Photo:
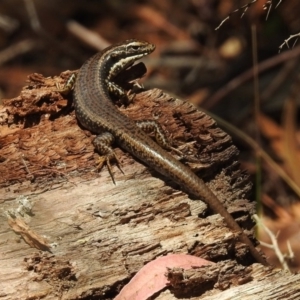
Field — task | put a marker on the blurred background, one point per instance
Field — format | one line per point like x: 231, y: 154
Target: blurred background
x: 245, y: 72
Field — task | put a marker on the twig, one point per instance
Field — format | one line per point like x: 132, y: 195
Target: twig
x: 286, y: 42
x: 37, y: 27
x: 33, y: 18
x: 278, y: 3
x: 24, y: 163
x: 89, y: 37
x: 246, y: 138
x: 274, y: 245
x: 8, y: 24
x: 247, y: 75
x: 244, y: 8
x: 17, y: 49
x: 267, y: 6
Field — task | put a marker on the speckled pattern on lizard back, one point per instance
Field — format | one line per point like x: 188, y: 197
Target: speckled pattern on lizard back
x: 97, y: 113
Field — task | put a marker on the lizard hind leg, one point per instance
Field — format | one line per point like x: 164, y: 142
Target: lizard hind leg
x: 152, y: 126
x: 102, y: 144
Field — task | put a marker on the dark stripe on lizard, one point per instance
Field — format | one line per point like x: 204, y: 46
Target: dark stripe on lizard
x: 96, y: 112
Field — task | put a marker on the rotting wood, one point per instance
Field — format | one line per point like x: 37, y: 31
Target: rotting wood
x: 104, y: 233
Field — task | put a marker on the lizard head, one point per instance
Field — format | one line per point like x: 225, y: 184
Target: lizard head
x: 126, y: 53
x: 134, y: 49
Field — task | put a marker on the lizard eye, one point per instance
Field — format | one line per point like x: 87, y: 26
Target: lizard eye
x: 135, y: 47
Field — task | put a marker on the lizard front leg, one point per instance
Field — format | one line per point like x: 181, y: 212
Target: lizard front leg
x: 102, y: 144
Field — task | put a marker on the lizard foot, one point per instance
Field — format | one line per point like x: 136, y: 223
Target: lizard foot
x: 106, y: 160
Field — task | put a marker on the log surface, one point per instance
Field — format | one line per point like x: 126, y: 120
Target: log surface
x: 68, y: 232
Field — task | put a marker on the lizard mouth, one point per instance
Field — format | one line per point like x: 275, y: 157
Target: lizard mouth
x: 130, y: 65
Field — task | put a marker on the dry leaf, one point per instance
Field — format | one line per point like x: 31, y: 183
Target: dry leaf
x: 151, y: 278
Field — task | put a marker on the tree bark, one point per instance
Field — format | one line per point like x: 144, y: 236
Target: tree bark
x: 67, y: 232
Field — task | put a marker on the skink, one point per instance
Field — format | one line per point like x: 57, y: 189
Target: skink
x: 97, y: 113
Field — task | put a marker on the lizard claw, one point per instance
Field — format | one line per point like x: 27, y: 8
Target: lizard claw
x: 106, y: 159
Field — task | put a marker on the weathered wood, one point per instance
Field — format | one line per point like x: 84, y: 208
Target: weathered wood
x: 266, y: 284
x: 99, y: 234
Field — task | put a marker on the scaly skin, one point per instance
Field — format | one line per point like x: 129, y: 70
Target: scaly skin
x: 96, y: 112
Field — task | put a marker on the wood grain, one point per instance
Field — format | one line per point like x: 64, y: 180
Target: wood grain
x: 101, y: 234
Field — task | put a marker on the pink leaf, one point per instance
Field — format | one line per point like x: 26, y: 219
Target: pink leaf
x: 151, y: 278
